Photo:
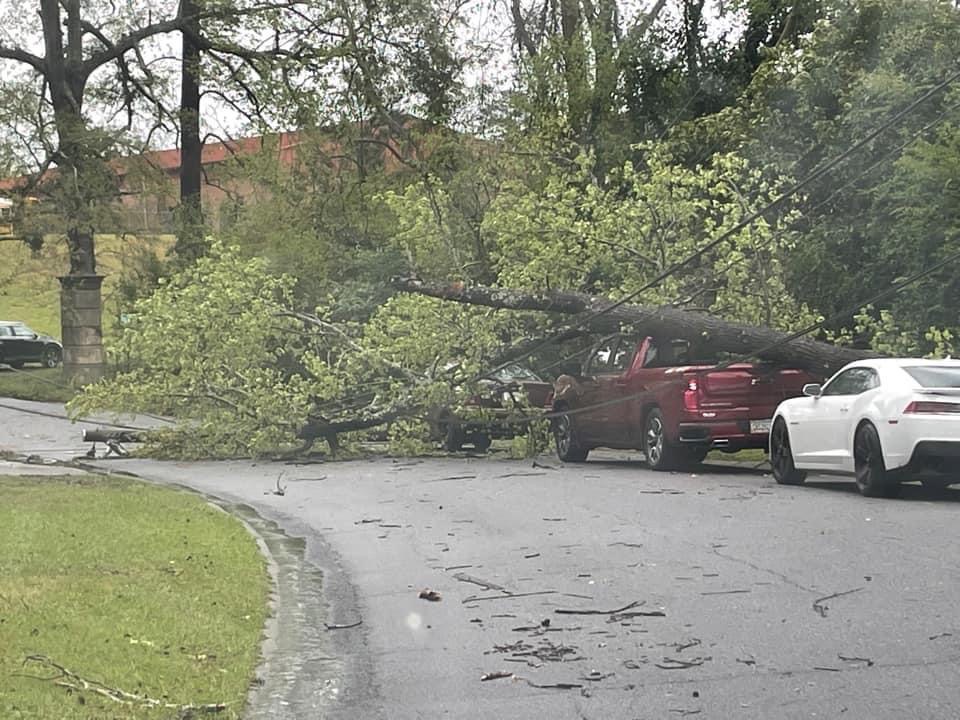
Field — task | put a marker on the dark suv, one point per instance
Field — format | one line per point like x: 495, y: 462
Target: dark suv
x: 19, y: 344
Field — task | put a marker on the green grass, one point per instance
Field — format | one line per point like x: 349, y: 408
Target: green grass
x: 44, y: 384
x: 751, y: 456
x: 145, y: 589
x: 30, y: 291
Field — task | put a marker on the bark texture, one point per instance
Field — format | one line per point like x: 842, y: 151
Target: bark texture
x: 663, y: 322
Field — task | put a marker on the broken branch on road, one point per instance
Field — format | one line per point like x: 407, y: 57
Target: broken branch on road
x: 618, y: 611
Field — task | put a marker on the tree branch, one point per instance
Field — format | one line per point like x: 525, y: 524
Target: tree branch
x: 23, y: 56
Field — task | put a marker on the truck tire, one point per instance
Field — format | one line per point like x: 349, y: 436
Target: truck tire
x: 481, y: 442
x: 660, y: 452
x: 568, y: 444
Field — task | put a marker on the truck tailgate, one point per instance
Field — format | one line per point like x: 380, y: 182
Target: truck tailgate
x: 748, y: 386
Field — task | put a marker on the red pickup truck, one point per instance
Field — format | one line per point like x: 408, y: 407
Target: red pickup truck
x: 667, y: 399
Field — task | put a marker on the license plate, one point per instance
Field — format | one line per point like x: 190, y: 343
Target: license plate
x: 759, y: 426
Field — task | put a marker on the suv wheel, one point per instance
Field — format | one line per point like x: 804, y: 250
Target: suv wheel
x: 781, y: 456
x: 568, y: 444
x: 873, y: 478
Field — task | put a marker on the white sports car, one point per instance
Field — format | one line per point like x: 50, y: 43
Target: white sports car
x: 885, y: 421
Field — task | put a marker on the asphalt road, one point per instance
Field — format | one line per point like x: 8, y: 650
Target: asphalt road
x: 777, y: 602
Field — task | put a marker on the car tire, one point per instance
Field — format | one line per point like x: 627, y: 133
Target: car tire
x: 451, y: 433
x: 481, y: 442
x: 661, y: 454
x: 873, y: 478
x: 691, y: 457
x: 565, y: 436
x: 52, y: 357
x: 781, y: 456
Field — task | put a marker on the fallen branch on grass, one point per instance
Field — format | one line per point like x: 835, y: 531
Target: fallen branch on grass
x: 71, y: 680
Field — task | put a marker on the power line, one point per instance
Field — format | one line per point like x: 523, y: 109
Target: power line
x: 753, y: 217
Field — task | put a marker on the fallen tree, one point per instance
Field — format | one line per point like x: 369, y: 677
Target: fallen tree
x: 602, y: 315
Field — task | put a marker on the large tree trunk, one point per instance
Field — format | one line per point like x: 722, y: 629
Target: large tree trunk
x: 190, y: 243
x: 665, y: 322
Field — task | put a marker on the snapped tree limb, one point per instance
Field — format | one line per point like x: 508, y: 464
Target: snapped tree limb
x: 665, y: 322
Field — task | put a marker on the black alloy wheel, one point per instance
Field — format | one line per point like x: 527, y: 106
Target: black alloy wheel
x: 781, y: 456
x: 873, y: 478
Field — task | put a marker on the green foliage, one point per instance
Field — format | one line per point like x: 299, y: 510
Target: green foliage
x: 886, y: 335
x: 208, y: 346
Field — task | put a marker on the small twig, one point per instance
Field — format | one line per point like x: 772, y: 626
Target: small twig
x: 678, y: 664
x: 71, y: 680
x: 821, y: 609
x: 486, y: 585
x: 724, y: 592
x: 599, y: 612
x: 475, y: 598
x: 281, y: 490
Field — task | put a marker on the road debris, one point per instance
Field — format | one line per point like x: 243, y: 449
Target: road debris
x: 867, y: 661
x: 726, y: 592
x: 940, y: 635
x: 368, y: 521
x: 626, y: 544
x: 596, y: 676
x: 346, y: 626
x: 452, y: 477
x: 618, y: 611
x: 678, y: 664
x: 279, y: 490
x: 821, y: 608
x: 431, y: 595
x: 531, y: 555
x: 555, y: 519
x: 498, y: 675
x: 478, y: 598
x: 518, y: 474
x: 542, y: 466
x: 485, y: 584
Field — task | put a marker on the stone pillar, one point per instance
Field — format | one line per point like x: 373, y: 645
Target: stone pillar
x: 84, y: 360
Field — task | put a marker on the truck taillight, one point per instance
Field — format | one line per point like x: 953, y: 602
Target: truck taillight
x: 691, y: 396
x: 927, y: 406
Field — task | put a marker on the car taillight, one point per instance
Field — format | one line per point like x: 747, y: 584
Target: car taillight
x: 929, y: 406
x: 691, y: 396
x: 549, y: 401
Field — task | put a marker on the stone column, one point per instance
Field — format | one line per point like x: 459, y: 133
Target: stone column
x: 84, y: 360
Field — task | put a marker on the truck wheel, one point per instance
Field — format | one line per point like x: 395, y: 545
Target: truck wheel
x: 873, y: 478
x: 661, y: 454
x: 693, y: 456
x: 781, y: 456
x: 568, y: 444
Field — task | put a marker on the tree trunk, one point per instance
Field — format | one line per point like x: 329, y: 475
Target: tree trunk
x: 665, y: 322
x: 190, y: 241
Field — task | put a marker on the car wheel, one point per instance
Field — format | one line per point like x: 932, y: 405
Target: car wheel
x: 452, y: 433
x: 781, y: 456
x: 873, y: 478
x: 51, y: 357
x: 481, y: 442
x: 568, y: 444
x: 661, y: 454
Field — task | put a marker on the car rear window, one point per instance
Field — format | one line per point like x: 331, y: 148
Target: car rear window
x: 932, y: 376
